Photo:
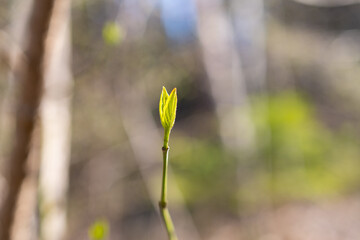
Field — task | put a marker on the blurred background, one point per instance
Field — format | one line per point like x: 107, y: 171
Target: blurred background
x: 266, y: 140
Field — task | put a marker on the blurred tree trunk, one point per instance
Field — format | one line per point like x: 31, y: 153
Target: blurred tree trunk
x: 248, y: 19
x: 235, y: 63
x: 25, y: 219
x: 27, y: 72
x: 249, y: 26
x: 25, y: 225
x: 224, y: 70
x: 55, y: 122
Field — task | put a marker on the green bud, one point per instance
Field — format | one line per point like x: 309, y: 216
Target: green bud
x: 167, y: 108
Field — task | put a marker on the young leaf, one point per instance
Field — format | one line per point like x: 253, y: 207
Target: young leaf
x: 170, y: 109
x: 163, y: 98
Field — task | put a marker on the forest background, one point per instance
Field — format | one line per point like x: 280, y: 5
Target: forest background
x: 267, y: 134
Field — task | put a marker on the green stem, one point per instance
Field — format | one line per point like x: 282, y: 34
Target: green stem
x: 163, y: 200
x: 166, y: 139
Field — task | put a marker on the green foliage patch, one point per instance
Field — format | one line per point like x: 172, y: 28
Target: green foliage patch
x: 299, y: 158
x: 99, y: 230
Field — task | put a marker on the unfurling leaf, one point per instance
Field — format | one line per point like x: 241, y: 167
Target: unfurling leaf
x: 167, y: 108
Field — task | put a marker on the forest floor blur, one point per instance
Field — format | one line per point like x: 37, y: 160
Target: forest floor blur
x: 333, y: 220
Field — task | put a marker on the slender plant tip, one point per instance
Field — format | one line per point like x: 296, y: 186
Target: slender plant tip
x: 167, y: 110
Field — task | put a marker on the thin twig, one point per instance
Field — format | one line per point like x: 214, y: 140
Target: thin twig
x: 163, y: 201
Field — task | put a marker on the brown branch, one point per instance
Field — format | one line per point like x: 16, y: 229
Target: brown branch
x: 28, y: 74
